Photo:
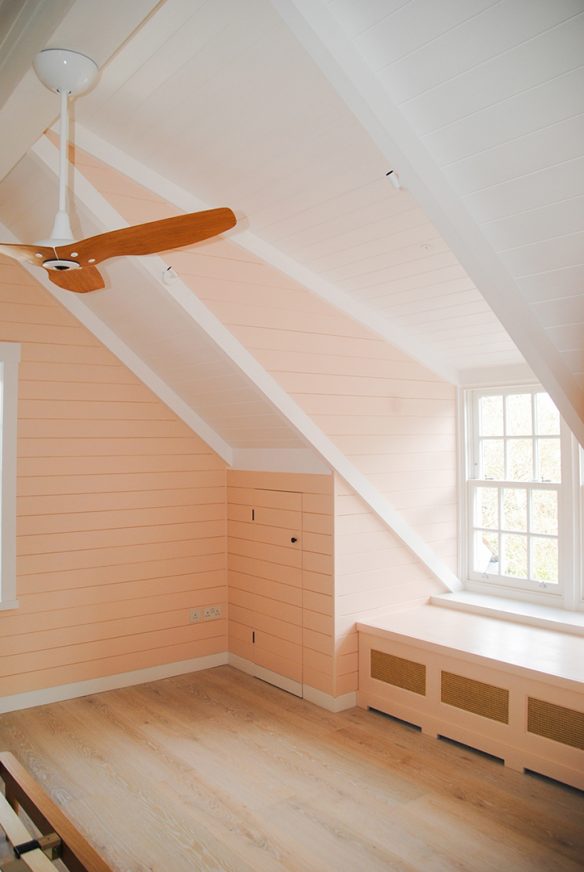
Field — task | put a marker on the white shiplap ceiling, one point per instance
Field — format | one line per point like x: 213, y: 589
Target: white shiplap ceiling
x: 146, y: 319
x: 481, y: 103
x: 292, y: 112
x: 495, y: 90
x: 222, y: 100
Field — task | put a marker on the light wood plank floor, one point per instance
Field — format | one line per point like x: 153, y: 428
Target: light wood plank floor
x: 218, y: 771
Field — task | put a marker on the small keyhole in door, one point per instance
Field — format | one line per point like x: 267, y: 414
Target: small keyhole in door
x: 294, y: 539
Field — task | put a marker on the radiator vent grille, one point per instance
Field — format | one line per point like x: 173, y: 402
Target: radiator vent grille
x: 477, y: 697
x: 555, y: 722
x: 399, y: 672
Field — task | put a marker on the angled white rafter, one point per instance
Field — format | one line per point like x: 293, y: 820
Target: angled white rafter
x: 129, y: 358
x: 321, y: 35
x: 269, y: 387
x: 398, y: 336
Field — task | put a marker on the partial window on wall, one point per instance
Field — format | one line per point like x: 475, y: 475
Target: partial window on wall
x: 9, y: 359
x: 521, y: 498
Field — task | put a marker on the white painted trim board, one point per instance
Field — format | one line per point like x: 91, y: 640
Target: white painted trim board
x: 33, y: 698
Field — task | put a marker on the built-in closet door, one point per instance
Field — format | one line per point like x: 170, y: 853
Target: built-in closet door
x: 265, y: 584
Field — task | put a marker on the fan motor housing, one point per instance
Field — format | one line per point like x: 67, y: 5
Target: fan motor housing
x: 61, y: 265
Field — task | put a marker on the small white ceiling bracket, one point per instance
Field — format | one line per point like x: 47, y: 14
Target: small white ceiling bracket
x: 168, y: 275
x: 394, y: 179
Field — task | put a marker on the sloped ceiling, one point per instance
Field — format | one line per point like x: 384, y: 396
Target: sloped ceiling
x: 480, y: 104
x: 145, y: 319
x: 292, y: 112
x: 265, y: 131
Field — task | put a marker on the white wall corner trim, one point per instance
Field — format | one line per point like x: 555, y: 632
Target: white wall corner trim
x: 266, y: 383
x: 348, y: 70
x: 310, y: 694
x: 279, y: 460
x: 494, y: 376
x: 109, y: 682
x: 328, y: 702
x: 264, y: 674
x: 9, y: 361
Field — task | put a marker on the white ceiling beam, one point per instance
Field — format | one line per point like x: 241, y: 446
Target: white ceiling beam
x: 320, y: 33
x: 182, y: 294
x: 74, y: 303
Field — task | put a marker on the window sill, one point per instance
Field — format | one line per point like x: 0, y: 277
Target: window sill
x: 9, y: 604
x: 513, y: 610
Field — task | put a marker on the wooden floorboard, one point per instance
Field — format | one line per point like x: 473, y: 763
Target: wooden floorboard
x: 219, y: 771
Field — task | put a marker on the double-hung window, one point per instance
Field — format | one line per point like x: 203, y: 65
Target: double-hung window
x: 519, y: 490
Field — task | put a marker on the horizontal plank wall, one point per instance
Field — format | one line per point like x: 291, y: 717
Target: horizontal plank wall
x: 121, y: 521
x: 392, y: 417
x: 374, y: 572
x: 292, y: 598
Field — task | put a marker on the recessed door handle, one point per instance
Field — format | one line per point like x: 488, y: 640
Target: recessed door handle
x: 294, y: 539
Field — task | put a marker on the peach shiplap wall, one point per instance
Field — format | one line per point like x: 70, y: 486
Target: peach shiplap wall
x: 120, y: 512
x: 392, y: 417
x: 285, y: 593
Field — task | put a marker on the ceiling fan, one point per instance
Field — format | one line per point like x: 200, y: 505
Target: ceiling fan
x: 72, y: 264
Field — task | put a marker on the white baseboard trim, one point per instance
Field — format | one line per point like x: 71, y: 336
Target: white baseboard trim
x: 311, y: 694
x: 109, y: 682
x: 328, y: 702
x: 274, y: 678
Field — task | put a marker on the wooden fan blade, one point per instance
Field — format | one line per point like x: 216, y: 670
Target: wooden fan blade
x: 152, y: 237
x: 27, y: 253
x: 81, y: 281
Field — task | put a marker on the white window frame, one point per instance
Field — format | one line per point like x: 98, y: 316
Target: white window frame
x: 9, y: 360
x: 569, y: 593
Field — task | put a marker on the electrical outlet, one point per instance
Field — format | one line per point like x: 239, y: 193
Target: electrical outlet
x: 211, y: 613
x: 194, y: 616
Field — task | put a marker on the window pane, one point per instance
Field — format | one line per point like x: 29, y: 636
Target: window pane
x: 547, y: 417
x: 486, y: 553
x: 492, y: 459
x: 520, y: 459
x: 514, y: 555
x: 518, y: 415
x: 491, y: 416
x: 544, y: 512
x: 544, y: 560
x: 549, y: 460
x: 487, y: 508
x: 515, y: 510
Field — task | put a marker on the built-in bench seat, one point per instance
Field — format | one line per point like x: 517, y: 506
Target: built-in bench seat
x: 512, y: 690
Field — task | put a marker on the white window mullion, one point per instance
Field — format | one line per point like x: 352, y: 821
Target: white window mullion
x: 528, y: 490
